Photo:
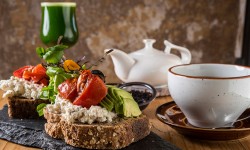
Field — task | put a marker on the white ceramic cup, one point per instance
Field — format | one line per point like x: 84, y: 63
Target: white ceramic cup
x: 210, y: 95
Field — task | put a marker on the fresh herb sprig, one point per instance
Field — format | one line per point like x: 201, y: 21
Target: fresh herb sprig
x: 53, y: 56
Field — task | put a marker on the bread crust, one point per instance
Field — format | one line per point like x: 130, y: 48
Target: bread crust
x: 116, y: 135
x: 24, y: 108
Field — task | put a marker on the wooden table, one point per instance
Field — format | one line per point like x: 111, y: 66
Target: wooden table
x: 165, y: 132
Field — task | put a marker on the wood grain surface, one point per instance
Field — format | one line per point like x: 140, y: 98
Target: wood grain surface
x: 164, y: 131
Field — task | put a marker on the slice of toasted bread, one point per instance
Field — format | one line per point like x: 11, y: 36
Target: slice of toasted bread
x: 118, y: 134
x: 23, y: 108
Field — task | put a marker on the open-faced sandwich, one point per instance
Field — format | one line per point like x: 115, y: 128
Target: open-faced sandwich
x: 23, y: 91
x: 28, y: 87
x: 89, y: 114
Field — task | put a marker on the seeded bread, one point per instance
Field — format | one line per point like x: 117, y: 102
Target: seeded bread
x: 23, y: 108
x: 118, y: 134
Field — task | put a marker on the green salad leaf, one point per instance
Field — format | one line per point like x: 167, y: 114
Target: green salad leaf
x: 51, y: 54
x: 39, y: 109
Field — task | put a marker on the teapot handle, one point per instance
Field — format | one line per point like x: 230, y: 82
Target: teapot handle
x: 185, y: 53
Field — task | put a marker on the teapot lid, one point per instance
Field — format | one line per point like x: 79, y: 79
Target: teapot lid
x: 151, y: 52
x: 148, y: 49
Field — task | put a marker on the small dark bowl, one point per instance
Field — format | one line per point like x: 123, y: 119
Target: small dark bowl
x: 143, y: 93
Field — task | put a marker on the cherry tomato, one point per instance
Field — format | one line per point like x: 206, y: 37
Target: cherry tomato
x: 44, y: 81
x: 68, y: 89
x: 19, y: 72
x: 27, y: 75
x: 39, y: 69
x: 94, y: 91
x: 36, y: 74
x: 86, y: 90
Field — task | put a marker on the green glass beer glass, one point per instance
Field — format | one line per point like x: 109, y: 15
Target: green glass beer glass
x: 58, y: 19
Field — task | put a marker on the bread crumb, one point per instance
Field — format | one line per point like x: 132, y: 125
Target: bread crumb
x: 90, y: 132
x: 99, y: 128
x: 85, y: 142
x: 92, y: 141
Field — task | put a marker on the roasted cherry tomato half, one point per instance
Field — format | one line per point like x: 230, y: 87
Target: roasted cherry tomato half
x: 94, y: 91
x: 68, y: 89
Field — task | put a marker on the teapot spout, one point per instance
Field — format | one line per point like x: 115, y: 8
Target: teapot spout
x: 122, y: 63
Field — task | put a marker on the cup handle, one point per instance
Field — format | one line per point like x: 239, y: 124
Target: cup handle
x: 185, y: 53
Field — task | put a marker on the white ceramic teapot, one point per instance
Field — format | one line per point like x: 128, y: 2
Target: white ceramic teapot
x: 148, y: 64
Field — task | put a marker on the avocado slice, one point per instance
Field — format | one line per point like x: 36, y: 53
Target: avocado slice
x: 107, y: 104
x: 123, y: 102
x: 104, y: 104
x: 131, y: 108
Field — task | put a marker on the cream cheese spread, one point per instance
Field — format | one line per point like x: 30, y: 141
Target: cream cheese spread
x: 73, y: 113
x: 20, y: 87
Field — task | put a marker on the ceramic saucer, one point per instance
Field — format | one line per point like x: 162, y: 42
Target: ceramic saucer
x: 170, y: 114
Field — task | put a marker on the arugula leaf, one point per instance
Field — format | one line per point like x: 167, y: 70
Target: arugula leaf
x: 52, y: 54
